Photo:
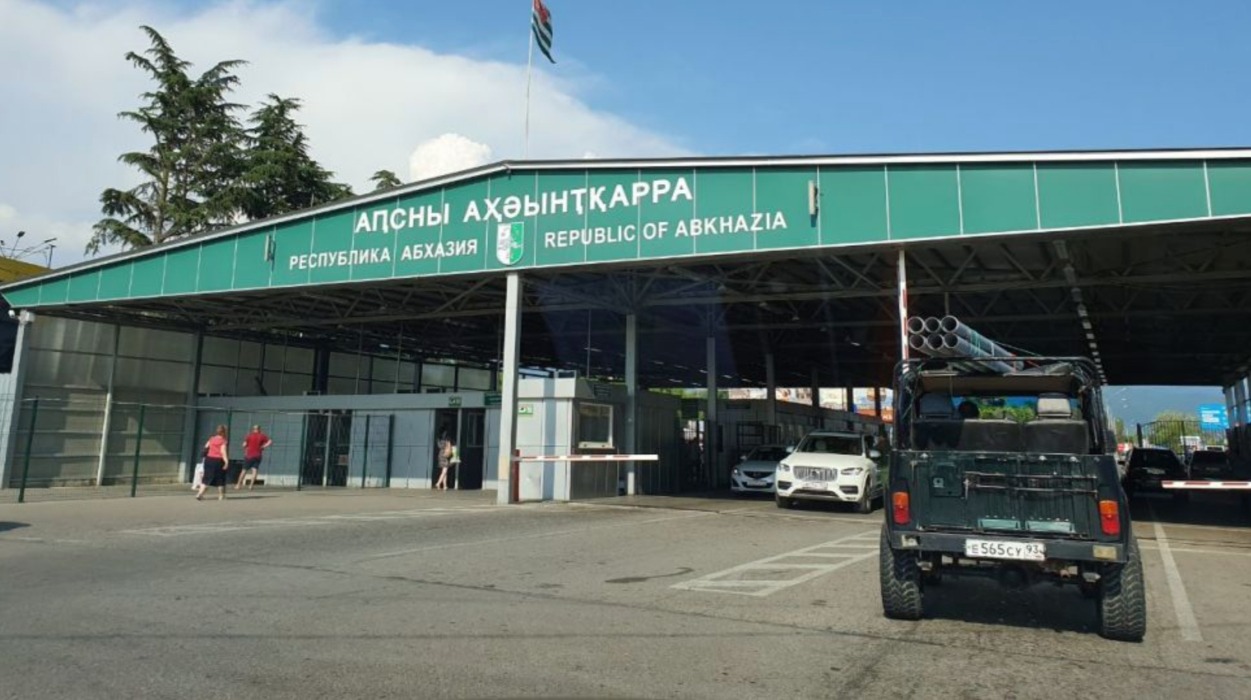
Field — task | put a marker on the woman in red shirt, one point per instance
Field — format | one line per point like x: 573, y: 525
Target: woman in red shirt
x: 216, y: 461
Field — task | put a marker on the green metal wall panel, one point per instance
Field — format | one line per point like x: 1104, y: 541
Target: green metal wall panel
x: 148, y: 279
x: 1077, y: 194
x: 292, y: 245
x: 252, y: 265
x: 614, y: 231
x: 997, y: 198
x: 84, y: 287
x: 924, y: 201
x: 1162, y: 191
x: 785, y: 192
x: 853, y: 205
x: 658, y: 218
x: 559, y: 242
x: 115, y: 281
x: 1230, y: 185
x: 216, y: 266
x: 182, y: 270
x: 588, y: 216
x: 721, y: 194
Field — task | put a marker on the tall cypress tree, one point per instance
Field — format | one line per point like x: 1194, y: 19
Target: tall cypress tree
x: 190, y: 169
x: 279, y: 174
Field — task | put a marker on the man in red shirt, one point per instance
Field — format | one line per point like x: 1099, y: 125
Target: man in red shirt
x: 254, y: 446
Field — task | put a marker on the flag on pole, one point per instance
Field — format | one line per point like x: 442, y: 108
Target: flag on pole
x: 541, y: 25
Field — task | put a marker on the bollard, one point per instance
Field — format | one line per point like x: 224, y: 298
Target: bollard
x: 30, y: 440
x: 134, y: 475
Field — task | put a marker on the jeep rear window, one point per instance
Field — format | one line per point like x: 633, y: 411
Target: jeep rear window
x: 832, y: 445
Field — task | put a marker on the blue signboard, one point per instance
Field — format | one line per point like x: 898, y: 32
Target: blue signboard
x: 1213, y: 416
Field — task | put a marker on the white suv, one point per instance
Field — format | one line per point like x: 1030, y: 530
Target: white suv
x: 831, y: 466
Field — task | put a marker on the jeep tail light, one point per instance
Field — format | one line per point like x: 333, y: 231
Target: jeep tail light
x: 1110, y: 517
x: 901, y: 507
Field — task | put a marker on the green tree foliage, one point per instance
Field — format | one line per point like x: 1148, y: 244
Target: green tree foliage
x: 385, y: 180
x: 279, y: 175
x: 1168, y: 428
x: 195, y: 155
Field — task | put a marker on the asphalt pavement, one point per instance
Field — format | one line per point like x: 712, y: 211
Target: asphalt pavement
x: 394, y: 594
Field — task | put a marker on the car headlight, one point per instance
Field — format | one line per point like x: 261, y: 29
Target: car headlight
x: 852, y: 471
x: 786, y: 468
x: 734, y: 471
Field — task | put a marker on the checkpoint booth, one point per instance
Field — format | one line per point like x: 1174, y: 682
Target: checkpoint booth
x: 582, y: 425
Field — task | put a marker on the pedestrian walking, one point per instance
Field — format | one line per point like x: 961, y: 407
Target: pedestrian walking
x: 447, y: 448
x: 254, y: 446
x: 216, y: 464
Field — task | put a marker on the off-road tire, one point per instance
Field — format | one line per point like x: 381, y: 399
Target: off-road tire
x: 1123, y: 599
x: 900, y: 576
x: 784, y: 502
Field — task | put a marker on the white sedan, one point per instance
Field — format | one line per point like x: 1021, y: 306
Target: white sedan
x: 755, y: 473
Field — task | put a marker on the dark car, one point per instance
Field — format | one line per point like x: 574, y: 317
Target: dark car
x: 1210, y: 464
x: 1026, y: 496
x: 1147, y: 467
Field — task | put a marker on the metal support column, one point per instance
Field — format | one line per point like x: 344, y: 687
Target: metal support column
x: 902, y: 271
x: 816, y: 387
x: 190, y: 455
x: 1240, y: 398
x: 106, y: 422
x: 711, y: 424
x: 506, y: 480
x: 632, y: 391
x: 771, y: 391
x: 877, y: 401
x: 21, y: 360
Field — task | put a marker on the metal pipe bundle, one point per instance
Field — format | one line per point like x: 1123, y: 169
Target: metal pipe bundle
x: 948, y: 337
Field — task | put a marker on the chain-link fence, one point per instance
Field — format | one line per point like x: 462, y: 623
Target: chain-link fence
x: 1180, y: 436
x: 76, y: 448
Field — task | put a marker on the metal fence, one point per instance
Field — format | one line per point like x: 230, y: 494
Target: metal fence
x: 67, y: 448
x: 1180, y: 436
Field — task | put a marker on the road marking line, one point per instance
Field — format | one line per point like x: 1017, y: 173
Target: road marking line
x: 721, y: 581
x: 1181, y: 602
x: 537, y: 535
x: 1198, y: 550
x: 230, y: 526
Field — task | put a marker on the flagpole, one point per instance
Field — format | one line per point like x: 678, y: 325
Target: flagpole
x: 525, y: 153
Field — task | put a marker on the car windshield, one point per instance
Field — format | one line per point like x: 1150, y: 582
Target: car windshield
x: 832, y: 445
x: 1156, y: 459
x: 767, y: 454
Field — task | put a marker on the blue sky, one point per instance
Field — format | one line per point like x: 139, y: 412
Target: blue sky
x: 734, y: 77
x: 381, y: 81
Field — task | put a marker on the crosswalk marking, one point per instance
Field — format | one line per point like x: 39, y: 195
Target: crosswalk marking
x: 742, y: 579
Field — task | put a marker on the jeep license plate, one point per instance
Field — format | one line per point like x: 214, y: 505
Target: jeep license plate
x: 815, y: 486
x: 1002, y: 549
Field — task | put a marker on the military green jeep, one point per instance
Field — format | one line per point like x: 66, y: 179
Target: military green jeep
x: 1008, y: 472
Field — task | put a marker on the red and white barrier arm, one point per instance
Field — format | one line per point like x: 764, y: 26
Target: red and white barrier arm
x: 1208, y: 485
x: 587, y: 458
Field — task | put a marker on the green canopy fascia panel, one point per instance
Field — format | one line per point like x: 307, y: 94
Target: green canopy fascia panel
x: 548, y: 215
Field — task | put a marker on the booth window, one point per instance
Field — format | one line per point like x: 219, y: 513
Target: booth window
x: 595, y: 426
x: 8, y: 345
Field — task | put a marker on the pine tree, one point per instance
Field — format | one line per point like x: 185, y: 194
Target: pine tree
x: 385, y: 180
x: 279, y: 175
x: 191, y: 166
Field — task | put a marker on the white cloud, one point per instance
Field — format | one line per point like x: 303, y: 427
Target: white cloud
x: 366, y: 105
x: 446, y: 154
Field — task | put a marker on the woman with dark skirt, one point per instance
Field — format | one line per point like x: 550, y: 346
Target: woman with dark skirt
x: 216, y: 464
